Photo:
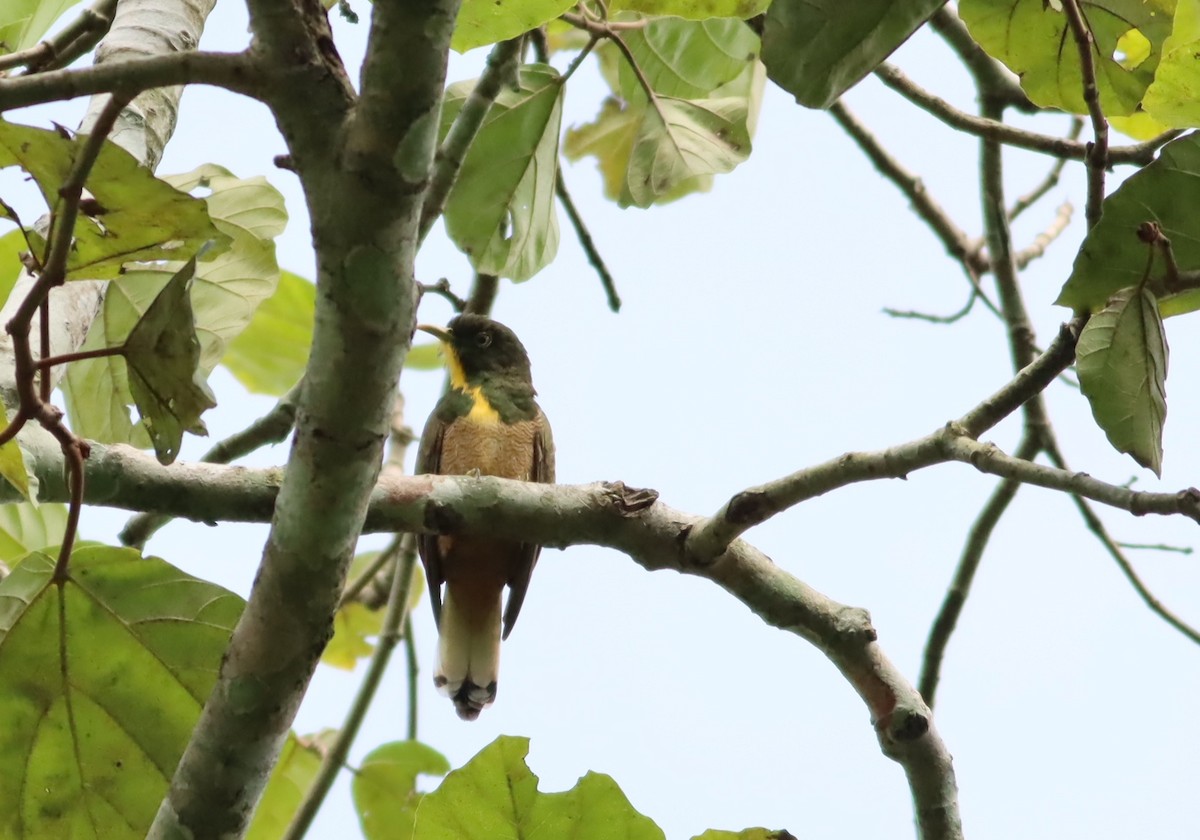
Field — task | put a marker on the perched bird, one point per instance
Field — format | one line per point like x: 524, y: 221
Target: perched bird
x: 487, y: 423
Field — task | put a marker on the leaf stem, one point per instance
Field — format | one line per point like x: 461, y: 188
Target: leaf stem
x: 48, y: 361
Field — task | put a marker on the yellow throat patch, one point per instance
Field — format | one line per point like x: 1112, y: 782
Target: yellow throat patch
x: 482, y: 411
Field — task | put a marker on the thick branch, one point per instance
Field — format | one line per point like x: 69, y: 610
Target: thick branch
x: 364, y: 166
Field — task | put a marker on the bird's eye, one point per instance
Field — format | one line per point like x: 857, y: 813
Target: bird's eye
x: 483, y: 339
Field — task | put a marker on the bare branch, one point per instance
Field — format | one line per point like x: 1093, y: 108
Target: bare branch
x: 1042, y: 241
x: 1051, y: 180
x: 232, y: 71
x: 1138, y: 154
x: 73, y: 40
x: 953, y: 239
x: 992, y: 79
x: 1114, y: 551
x: 585, y: 242
x: 750, y: 507
x: 968, y: 563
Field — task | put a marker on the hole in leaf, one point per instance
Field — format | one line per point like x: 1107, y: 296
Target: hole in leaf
x: 1132, y: 49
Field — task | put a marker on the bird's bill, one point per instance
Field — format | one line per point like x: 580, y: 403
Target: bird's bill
x: 440, y: 333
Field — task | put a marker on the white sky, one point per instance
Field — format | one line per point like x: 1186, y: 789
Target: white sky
x: 751, y: 344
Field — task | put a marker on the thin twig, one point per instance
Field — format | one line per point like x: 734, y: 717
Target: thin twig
x: 1042, y: 241
x: 585, y: 242
x: 1178, y: 549
x: 442, y: 289
x: 72, y: 41
x: 953, y: 239
x: 1051, y: 180
x: 1097, y: 528
x: 389, y: 635
x: 953, y: 317
x: 1097, y: 152
x: 968, y: 563
x: 413, y: 671
x: 1139, y: 154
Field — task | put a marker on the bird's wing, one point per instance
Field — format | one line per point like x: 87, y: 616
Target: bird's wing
x: 429, y: 462
x: 543, y: 472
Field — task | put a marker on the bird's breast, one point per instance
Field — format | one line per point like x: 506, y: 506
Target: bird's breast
x: 489, y: 446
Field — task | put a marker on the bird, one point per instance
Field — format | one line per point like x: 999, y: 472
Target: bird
x: 486, y: 423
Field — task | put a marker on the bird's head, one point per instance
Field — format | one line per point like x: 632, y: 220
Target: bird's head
x: 478, y: 348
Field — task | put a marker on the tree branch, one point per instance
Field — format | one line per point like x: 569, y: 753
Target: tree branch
x: 232, y: 71
x: 1096, y: 526
x: 968, y: 563
x: 364, y: 165
x: 68, y: 44
x: 953, y: 239
x: 1139, y: 154
x: 757, y: 504
x: 273, y: 427
x: 1097, y: 153
x: 992, y: 79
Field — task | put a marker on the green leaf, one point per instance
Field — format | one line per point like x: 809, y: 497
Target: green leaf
x: 225, y: 294
x: 817, y: 50
x: 12, y: 245
x: 1035, y: 41
x: 138, y: 217
x: 354, y: 625
x: 483, y: 22
x: 162, y: 355
x: 104, y: 676
x: 501, y: 210
x: 385, y: 788
x: 269, y: 356
x: 1121, y: 358
x: 610, y: 139
x: 496, y: 795
x: 14, y: 471
x: 693, y: 9
x: 291, y: 778
x: 24, y: 22
x: 1113, y: 258
x: 687, y: 59
x: 622, y: 123
x: 25, y: 528
x: 680, y: 140
x: 424, y: 357
x: 1173, y: 98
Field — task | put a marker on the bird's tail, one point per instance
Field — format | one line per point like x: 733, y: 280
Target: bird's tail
x: 469, y: 648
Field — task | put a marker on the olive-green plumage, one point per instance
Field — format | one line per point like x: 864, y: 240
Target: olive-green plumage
x: 487, y: 423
